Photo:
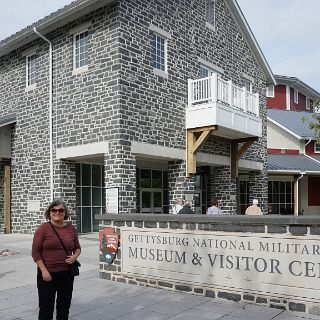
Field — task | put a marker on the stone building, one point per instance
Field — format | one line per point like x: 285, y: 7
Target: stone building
x: 142, y: 101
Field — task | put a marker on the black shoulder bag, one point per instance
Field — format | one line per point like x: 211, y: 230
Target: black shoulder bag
x: 73, y: 268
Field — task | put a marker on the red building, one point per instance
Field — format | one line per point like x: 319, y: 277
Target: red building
x: 293, y: 151
x: 290, y: 93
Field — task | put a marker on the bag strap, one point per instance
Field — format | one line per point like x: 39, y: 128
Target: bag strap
x: 58, y: 237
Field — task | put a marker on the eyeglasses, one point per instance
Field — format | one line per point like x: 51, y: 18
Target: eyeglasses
x: 60, y: 210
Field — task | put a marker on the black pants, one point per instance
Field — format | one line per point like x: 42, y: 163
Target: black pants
x: 62, y: 285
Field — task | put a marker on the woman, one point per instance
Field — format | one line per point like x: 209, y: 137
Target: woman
x: 53, y: 262
x: 214, y: 207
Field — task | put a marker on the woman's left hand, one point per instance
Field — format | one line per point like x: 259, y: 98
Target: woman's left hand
x: 71, y: 259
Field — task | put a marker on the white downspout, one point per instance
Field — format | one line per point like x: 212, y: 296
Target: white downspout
x: 50, y: 111
x: 297, y: 191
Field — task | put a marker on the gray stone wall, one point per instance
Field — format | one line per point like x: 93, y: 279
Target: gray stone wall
x: 179, y: 185
x: 224, y: 189
x: 119, y: 99
x: 236, y: 224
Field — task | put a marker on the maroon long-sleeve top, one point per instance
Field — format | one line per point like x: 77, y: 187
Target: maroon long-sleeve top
x: 47, y: 247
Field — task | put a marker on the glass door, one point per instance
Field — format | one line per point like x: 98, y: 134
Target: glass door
x: 90, y: 195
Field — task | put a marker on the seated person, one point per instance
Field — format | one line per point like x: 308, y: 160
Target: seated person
x: 186, y: 209
x: 178, y: 206
x: 254, y: 209
x: 214, y: 209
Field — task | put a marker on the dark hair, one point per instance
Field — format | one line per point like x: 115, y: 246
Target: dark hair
x: 214, y: 202
x: 54, y: 203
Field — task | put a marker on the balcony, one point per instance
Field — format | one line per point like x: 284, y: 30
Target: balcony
x: 221, y: 111
x: 213, y: 101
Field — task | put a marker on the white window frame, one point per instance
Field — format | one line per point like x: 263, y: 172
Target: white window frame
x: 210, y: 14
x: 316, y: 147
x: 270, y: 91
x: 295, y: 96
x: 248, y: 85
x: 308, y: 103
x: 31, y: 78
x: 166, y: 36
x: 84, y: 67
x: 163, y: 53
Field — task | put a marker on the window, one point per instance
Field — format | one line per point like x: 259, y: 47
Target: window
x: 152, y: 191
x: 159, y: 52
x: 80, y: 50
x: 280, y: 197
x: 90, y: 195
x: 248, y: 85
x: 313, y: 191
x: 316, y: 147
x: 244, y: 195
x: 210, y: 12
x: 206, y: 71
x: 309, y: 103
x: 31, y: 70
x: 270, y: 91
x: 295, y: 96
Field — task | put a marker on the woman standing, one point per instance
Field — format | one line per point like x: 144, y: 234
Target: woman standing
x: 53, y: 263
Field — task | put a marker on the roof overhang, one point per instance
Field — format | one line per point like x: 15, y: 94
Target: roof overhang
x: 251, y: 40
x: 294, y: 172
x: 50, y: 23
x: 298, y: 85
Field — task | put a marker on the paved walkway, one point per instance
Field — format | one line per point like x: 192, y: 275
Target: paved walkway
x: 96, y: 299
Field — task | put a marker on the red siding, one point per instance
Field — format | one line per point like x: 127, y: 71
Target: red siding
x: 279, y: 100
x: 282, y: 151
x: 314, y: 191
x: 310, y: 149
x: 301, y: 105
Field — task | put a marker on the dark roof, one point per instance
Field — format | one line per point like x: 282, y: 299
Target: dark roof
x: 298, y: 163
x: 292, y: 120
x: 298, y: 85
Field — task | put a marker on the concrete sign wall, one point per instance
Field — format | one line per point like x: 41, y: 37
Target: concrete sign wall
x: 279, y: 264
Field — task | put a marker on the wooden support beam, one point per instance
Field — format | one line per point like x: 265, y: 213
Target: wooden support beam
x: 200, y: 141
x: 194, y: 144
x: 243, y: 149
x: 7, y: 200
x: 208, y: 128
x: 191, y: 157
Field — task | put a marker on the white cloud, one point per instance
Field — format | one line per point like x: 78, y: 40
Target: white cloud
x: 287, y: 31
x: 18, y: 14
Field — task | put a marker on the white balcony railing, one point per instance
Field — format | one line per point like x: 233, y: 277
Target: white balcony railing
x: 214, y: 89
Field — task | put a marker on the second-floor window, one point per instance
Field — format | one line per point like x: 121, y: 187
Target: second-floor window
x: 159, y: 52
x: 30, y: 70
x: 295, y: 96
x: 270, y: 91
x: 248, y: 85
x: 309, y: 103
x: 80, y: 50
x: 211, y: 12
x: 316, y: 147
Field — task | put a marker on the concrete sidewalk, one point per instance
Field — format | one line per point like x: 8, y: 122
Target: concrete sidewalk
x: 96, y: 299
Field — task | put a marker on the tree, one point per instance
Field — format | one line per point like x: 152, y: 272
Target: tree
x: 315, y: 125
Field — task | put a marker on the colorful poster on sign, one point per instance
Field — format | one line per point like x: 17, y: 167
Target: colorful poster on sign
x: 109, y: 242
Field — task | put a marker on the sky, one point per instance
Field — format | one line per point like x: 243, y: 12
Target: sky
x: 286, y: 30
